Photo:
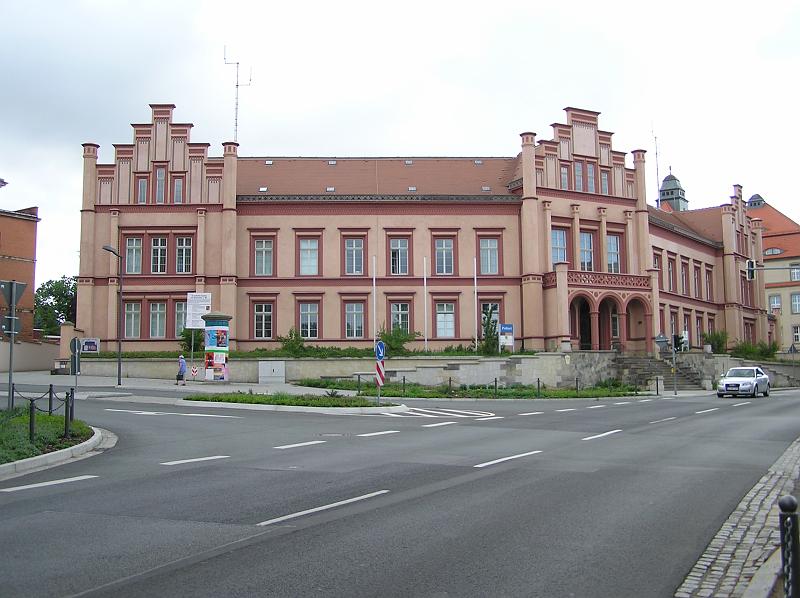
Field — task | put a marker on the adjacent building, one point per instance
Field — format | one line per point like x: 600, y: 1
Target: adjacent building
x: 781, y: 269
x: 18, y: 262
x: 558, y: 241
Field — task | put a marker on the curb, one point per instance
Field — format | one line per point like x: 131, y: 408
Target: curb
x: 323, y: 410
x: 54, y: 458
x: 766, y: 577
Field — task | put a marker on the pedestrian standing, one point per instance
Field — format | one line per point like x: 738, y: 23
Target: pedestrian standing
x: 181, y: 377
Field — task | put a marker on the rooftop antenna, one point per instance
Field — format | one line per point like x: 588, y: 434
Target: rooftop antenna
x: 238, y: 85
x: 658, y: 176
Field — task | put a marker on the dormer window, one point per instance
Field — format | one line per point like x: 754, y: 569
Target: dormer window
x: 268, y: 162
x: 409, y: 162
x: 486, y: 189
x: 773, y: 251
x: 330, y: 189
x: 331, y: 162
x: 478, y: 162
x: 263, y: 189
x: 412, y: 189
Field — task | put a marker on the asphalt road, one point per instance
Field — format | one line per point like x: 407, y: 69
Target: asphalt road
x: 584, y: 498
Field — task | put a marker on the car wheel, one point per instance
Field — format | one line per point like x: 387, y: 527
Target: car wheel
x: 766, y: 391
x: 755, y: 391
x: 720, y: 395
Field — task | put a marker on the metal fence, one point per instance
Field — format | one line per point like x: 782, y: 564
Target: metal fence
x: 54, y: 403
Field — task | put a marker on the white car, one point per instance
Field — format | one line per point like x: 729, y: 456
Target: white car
x: 747, y: 381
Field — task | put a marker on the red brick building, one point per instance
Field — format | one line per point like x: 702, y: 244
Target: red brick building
x: 18, y: 261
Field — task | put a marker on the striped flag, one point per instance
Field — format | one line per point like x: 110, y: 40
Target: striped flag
x: 380, y: 372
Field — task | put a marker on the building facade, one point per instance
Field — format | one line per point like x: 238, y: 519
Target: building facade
x: 558, y: 241
x: 781, y: 270
x: 18, y: 262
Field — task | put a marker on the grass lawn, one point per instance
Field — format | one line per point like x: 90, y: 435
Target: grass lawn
x: 286, y: 399
x: 14, y: 441
x: 394, y: 389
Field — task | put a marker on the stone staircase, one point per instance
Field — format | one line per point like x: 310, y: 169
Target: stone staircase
x: 639, y: 371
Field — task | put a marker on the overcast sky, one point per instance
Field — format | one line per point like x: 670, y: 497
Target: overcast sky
x: 710, y: 79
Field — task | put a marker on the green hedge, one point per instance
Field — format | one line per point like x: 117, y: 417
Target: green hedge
x: 329, y: 400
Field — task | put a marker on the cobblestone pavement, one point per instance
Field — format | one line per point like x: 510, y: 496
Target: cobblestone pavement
x: 748, y: 537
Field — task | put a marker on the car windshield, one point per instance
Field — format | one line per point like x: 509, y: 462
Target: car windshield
x: 740, y: 373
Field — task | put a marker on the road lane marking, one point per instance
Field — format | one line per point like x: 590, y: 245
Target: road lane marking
x: 601, y: 435
x: 50, y: 483
x: 668, y: 398
x: 322, y: 508
x: 706, y: 410
x: 506, y: 459
x: 666, y: 419
x: 136, y: 412
x: 309, y: 443
x: 468, y: 412
x: 486, y: 419
x: 597, y: 406
x: 563, y: 410
x: 740, y: 404
x: 645, y: 400
x: 182, y: 461
x: 439, y: 424
x: 533, y: 413
x: 623, y: 403
x: 421, y: 412
x: 379, y: 433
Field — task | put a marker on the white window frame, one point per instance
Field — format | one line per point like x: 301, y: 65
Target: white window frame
x: 262, y: 320
x: 354, y: 319
x: 445, y: 249
x: 133, y: 255
x: 263, y: 250
x: 490, y: 251
x: 794, y: 272
x: 795, y: 303
x: 309, y: 257
x: 158, y: 255
x: 774, y: 302
x: 354, y: 256
x: 796, y: 334
x: 183, y: 255
x: 158, y: 319
x: 587, y: 252
x: 177, y: 190
x: 604, y: 187
x: 613, y: 244
x: 445, y: 319
x: 133, y: 320
x: 398, y: 256
x: 161, y: 184
x: 180, y: 318
x: 309, y: 320
x: 141, y: 190
x: 401, y: 315
x: 590, y: 186
x: 558, y: 251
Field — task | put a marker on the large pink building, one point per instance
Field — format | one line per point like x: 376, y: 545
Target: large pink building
x: 559, y: 240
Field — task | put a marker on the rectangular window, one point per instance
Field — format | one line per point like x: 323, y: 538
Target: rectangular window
x: 177, y: 191
x: 263, y: 257
x: 133, y: 317
x: 444, y: 256
x: 161, y: 176
x: 587, y: 252
x: 354, y: 320
x: 398, y: 249
x: 180, y: 317
x: 446, y: 320
x: 493, y: 308
x: 158, y: 320
x: 671, y: 275
x: 711, y: 325
x: 774, y: 302
x: 354, y: 256
x: 794, y: 273
x: 614, y: 263
x: 590, y: 178
x: 698, y: 329
x: 133, y: 255
x: 796, y: 303
x: 183, y: 255
x: 309, y: 257
x: 796, y: 334
x: 489, y: 256
x: 309, y: 320
x: 262, y: 320
x: 604, y: 182
x: 614, y: 324
x: 698, y: 290
x: 709, y: 288
x: 686, y: 328
x: 684, y: 279
x: 578, y: 176
x: 565, y: 177
x: 141, y: 190
x: 400, y: 316
x: 657, y: 264
x: 158, y: 255
x: 558, y: 237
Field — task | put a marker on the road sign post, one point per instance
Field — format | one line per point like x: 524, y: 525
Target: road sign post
x: 197, y: 304
x: 11, y: 291
x: 380, y: 368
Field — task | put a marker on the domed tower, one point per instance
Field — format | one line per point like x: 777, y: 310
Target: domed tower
x: 673, y: 194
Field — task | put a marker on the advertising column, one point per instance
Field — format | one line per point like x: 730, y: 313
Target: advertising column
x: 217, y: 333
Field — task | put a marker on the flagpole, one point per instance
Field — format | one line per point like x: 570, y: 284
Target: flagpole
x: 475, y: 296
x: 425, y: 298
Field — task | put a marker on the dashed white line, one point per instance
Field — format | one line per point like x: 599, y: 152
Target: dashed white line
x: 182, y: 461
x: 740, y: 404
x: 486, y: 419
x: 623, y: 403
x: 597, y: 406
x: 50, y: 483
x: 379, y: 433
x: 322, y: 508
x: 309, y: 443
x: 439, y: 424
x: 666, y: 419
x: 506, y: 459
x: 563, y: 410
x: 645, y: 400
x: 533, y: 413
x: 707, y: 410
x: 601, y: 435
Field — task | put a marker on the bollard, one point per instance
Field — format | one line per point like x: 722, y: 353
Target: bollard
x: 13, y: 392
x: 495, y: 388
x: 790, y: 551
x: 358, y: 391
x: 66, y: 414
x: 657, y: 386
x: 450, y: 385
x: 576, y: 384
x: 50, y: 400
x: 71, y: 404
x: 32, y: 417
x: 404, y: 386
x: 538, y: 388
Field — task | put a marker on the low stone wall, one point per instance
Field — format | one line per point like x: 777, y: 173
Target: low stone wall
x: 28, y: 356
x: 712, y: 366
x: 552, y: 369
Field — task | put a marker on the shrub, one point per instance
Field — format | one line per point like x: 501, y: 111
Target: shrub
x: 293, y: 343
x: 490, y: 342
x: 762, y: 350
x: 199, y: 340
x: 718, y: 340
x: 396, y: 339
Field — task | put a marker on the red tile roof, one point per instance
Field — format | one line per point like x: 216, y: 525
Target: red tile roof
x: 774, y: 221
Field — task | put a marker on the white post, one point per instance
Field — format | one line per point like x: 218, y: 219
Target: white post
x: 374, y: 301
x: 425, y: 298
x: 475, y: 297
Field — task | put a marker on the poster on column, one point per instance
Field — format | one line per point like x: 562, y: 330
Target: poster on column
x: 217, y: 337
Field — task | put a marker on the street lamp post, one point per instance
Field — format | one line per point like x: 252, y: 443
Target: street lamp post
x: 119, y: 313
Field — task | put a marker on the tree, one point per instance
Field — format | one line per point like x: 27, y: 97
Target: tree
x: 490, y: 343
x: 54, y: 303
x: 199, y: 340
